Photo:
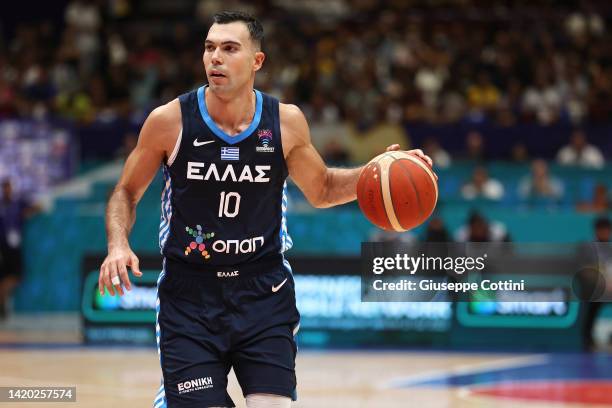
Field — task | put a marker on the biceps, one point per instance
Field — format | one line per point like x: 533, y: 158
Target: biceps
x: 139, y: 170
x: 308, y: 171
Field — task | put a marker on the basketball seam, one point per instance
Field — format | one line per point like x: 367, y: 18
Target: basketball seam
x: 426, y: 168
x: 388, y: 200
x: 382, y: 196
x: 380, y: 157
x: 368, y: 205
x: 416, y: 190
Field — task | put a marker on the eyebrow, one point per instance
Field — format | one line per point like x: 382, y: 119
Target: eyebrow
x: 224, y: 42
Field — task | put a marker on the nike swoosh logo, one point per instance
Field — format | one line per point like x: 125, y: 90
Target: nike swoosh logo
x: 280, y: 285
x: 198, y: 144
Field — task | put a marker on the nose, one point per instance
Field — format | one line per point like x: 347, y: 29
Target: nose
x: 216, y: 57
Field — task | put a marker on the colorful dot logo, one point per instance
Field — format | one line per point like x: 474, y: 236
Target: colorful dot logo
x: 198, y: 243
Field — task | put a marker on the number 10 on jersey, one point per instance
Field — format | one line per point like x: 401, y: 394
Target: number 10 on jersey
x: 227, y: 201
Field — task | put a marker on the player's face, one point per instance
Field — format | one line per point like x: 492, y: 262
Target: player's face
x: 230, y: 57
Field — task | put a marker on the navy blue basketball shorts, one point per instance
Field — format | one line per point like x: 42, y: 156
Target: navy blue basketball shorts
x: 209, y: 322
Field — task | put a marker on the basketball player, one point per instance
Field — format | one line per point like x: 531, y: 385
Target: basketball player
x: 226, y: 294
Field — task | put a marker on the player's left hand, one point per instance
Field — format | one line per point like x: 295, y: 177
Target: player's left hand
x: 416, y: 152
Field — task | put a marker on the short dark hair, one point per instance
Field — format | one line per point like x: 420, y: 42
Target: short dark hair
x: 255, y: 28
x: 476, y: 217
x: 602, y: 222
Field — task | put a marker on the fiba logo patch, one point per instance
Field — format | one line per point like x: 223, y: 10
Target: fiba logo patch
x: 198, y: 384
x: 264, y: 141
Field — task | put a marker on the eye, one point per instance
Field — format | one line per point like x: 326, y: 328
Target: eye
x: 230, y: 48
x: 209, y: 47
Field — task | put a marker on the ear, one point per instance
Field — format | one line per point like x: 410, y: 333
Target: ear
x: 259, y: 59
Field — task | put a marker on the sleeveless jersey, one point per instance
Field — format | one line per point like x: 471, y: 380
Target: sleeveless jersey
x: 224, y: 202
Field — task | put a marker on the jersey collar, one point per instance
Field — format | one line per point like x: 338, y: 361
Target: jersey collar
x: 220, y: 133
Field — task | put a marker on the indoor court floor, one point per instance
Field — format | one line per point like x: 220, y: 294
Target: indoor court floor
x: 115, y: 376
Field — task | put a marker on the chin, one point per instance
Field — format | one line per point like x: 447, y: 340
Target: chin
x: 219, y: 87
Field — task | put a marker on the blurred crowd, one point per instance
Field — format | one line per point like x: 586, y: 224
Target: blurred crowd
x: 362, y: 61
x: 362, y: 71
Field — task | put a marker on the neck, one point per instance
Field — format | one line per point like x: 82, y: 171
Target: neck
x: 231, y: 111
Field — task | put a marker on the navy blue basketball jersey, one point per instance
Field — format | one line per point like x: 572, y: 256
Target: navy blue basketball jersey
x: 224, y: 202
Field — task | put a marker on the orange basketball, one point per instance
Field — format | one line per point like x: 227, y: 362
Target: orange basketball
x: 397, y: 191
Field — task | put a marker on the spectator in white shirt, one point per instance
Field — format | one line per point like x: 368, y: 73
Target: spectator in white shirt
x: 540, y: 184
x: 440, y: 156
x: 482, y: 186
x: 580, y: 153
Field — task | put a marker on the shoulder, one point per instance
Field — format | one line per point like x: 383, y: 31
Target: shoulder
x: 166, y: 116
x: 294, y: 127
x: 291, y: 116
x: 592, y: 149
x: 163, y: 126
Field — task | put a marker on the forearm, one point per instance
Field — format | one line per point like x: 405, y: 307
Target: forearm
x: 340, y: 186
x: 120, y: 217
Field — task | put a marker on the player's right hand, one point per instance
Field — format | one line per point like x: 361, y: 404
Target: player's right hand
x: 115, y: 265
